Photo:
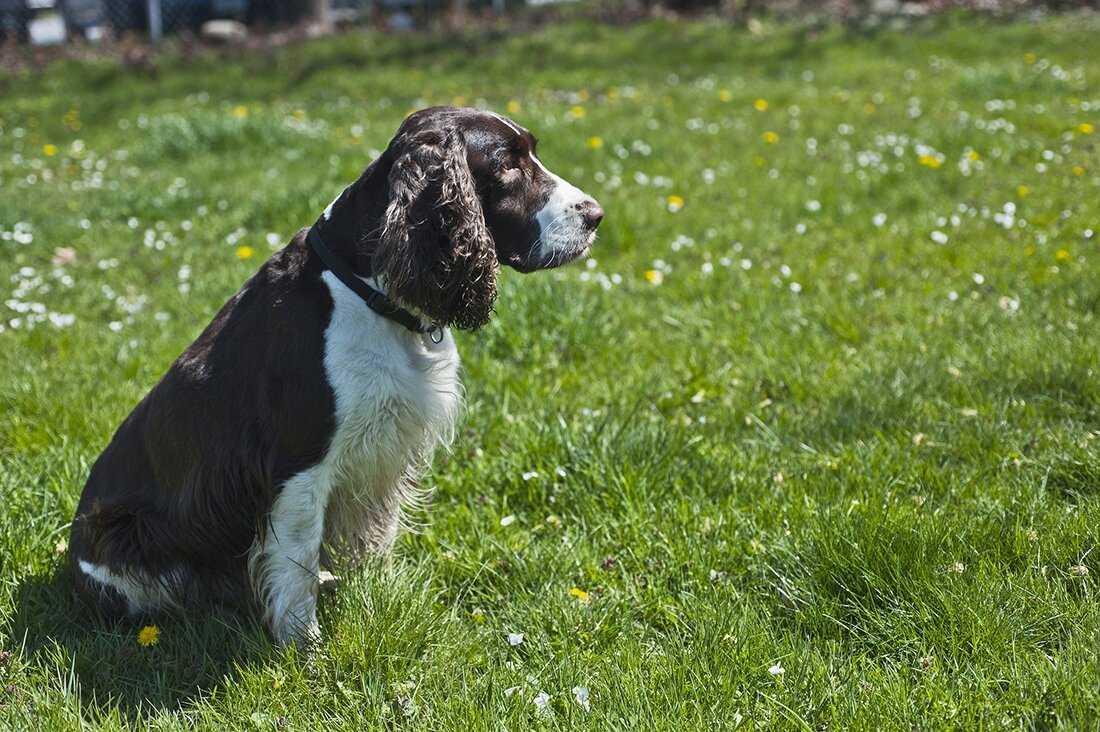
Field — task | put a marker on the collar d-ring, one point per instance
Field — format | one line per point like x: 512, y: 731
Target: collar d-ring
x: 435, y: 332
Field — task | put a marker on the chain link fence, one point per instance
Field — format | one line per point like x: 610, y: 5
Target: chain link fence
x: 51, y: 22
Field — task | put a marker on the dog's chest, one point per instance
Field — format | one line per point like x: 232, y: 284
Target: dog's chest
x: 396, y: 396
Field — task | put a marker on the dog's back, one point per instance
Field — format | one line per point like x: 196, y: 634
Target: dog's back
x: 168, y: 511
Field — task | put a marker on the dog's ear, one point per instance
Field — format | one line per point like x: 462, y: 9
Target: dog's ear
x: 435, y: 252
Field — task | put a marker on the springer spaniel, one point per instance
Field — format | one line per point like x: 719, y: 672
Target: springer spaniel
x: 305, y: 412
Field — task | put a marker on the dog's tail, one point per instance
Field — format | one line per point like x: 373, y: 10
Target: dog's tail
x: 118, y: 559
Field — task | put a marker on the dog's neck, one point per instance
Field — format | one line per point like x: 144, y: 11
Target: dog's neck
x: 352, y: 223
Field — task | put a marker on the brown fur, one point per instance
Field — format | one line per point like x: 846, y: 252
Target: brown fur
x: 435, y: 251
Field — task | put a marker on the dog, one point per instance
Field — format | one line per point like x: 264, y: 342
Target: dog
x: 301, y: 419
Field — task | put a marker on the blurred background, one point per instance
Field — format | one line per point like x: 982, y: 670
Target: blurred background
x: 46, y: 23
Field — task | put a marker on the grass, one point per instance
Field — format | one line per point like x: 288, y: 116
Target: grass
x: 829, y: 407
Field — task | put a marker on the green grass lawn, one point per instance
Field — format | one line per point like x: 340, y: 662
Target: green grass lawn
x: 811, y: 441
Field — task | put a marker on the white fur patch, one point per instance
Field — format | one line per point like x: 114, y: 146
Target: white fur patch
x: 509, y: 123
x: 397, y: 396
x: 327, y: 213
x: 142, y: 593
x: 562, y: 231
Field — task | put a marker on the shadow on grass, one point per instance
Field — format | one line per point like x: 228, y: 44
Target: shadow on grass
x: 191, y: 659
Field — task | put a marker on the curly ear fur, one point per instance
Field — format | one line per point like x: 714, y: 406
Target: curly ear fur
x: 435, y: 252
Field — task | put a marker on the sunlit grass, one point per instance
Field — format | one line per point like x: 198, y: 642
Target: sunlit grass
x: 812, y: 440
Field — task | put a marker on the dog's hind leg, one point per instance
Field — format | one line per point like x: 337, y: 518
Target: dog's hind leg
x: 284, y: 562
x: 110, y: 550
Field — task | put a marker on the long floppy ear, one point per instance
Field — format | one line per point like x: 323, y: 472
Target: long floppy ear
x: 435, y: 252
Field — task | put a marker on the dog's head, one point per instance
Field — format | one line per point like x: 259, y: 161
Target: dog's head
x: 467, y: 193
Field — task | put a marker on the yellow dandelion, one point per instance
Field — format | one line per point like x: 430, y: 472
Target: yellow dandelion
x: 595, y: 143
x: 760, y: 105
x: 514, y: 106
x: 148, y: 636
x: 299, y: 114
x: 771, y: 137
x: 1086, y: 128
x: 1078, y: 170
x: 725, y: 95
x: 72, y: 119
x: 578, y: 593
x: 675, y: 203
x: 1030, y: 58
x: 654, y: 276
x: 49, y: 150
x: 1062, y: 255
x: 929, y: 161
x: 240, y: 111
x: 759, y: 161
x: 973, y: 155
x: 245, y: 252
x: 1022, y: 191
x: 577, y: 112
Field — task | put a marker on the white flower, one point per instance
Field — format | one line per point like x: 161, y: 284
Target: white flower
x: 542, y: 702
x: 777, y: 670
x: 580, y: 693
x: 879, y: 219
x: 514, y: 639
x: 530, y: 474
x: 508, y: 520
x: 939, y: 237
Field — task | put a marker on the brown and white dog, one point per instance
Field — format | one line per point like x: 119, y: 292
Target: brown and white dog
x: 305, y: 412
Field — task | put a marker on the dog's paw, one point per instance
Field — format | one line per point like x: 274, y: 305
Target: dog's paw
x: 292, y: 630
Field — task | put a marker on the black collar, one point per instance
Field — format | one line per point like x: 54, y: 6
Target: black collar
x: 375, y: 300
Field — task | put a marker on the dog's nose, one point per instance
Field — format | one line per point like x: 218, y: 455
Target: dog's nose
x: 591, y: 213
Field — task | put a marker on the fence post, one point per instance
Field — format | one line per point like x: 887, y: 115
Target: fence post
x: 156, y: 27
x: 321, y: 15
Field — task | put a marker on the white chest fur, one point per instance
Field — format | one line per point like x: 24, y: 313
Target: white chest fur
x: 397, y: 396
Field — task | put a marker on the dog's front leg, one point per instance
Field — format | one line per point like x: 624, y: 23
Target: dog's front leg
x: 284, y: 563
